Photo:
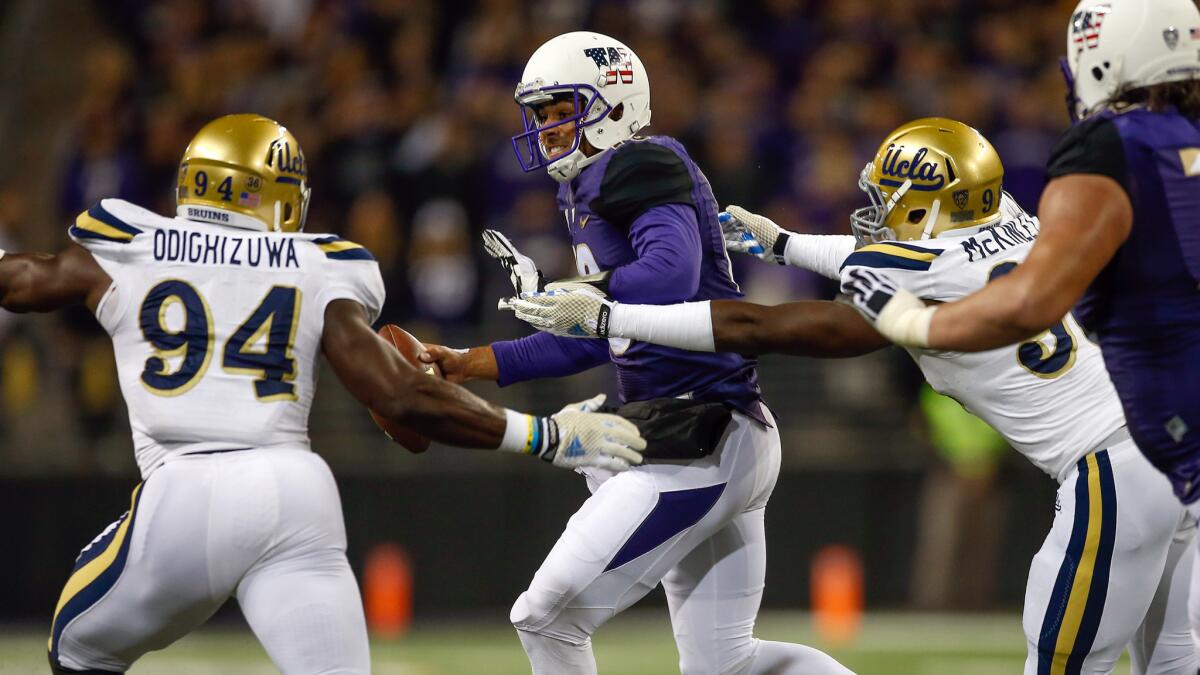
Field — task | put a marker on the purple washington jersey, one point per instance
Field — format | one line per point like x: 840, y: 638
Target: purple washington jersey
x: 645, y: 211
x: 1145, y: 305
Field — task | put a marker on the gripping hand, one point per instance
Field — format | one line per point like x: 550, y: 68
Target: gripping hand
x: 522, y: 271
x: 746, y: 232
x: 570, y: 310
x: 590, y: 439
x: 896, y: 313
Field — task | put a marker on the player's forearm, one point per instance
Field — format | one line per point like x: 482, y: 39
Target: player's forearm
x: 450, y: 414
x: 987, y: 320
x: 40, y: 282
x: 443, y: 412
x: 812, y: 328
x: 22, y: 275
x: 479, y: 363
x: 544, y: 355
x: 18, y: 277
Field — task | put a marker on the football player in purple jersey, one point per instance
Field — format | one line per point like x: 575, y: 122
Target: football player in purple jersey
x: 643, y: 221
x: 1120, y: 239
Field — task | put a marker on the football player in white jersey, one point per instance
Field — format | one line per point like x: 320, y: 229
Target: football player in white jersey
x: 217, y: 317
x: 1114, y: 569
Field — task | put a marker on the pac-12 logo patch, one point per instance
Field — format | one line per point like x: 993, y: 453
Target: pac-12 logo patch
x: 614, y: 62
x: 1085, y: 26
x: 960, y: 198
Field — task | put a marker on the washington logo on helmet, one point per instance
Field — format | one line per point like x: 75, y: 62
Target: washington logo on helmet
x: 1085, y: 26
x: 614, y: 63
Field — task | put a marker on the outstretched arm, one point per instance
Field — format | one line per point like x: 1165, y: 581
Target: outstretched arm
x: 40, y: 282
x: 382, y: 380
x: 821, y: 329
x: 813, y: 328
x: 1085, y: 219
x: 379, y: 377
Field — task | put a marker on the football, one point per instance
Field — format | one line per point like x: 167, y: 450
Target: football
x: 410, y: 348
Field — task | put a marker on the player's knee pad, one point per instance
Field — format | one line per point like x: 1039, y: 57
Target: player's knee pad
x: 531, y: 611
x: 542, y: 613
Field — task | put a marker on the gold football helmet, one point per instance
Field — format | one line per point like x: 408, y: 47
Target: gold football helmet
x: 929, y: 176
x: 244, y: 171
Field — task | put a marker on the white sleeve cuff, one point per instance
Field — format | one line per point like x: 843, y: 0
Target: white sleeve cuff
x: 684, y: 326
x: 821, y: 253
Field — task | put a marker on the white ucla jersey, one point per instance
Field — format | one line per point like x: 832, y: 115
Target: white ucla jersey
x: 217, y: 330
x: 1050, y: 396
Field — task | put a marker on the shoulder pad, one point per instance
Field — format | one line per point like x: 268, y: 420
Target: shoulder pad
x: 336, y: 248
x: 1092, y: 146
x: 640, y: 176
x: 893, y: 255
x: 361, y: 282
x: 98, y: 223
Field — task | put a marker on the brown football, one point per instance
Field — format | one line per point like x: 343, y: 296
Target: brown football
x: 410, y: 348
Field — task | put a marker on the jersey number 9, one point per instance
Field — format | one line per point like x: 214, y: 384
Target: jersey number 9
x: 273, y: 322
x: 1034, y: 355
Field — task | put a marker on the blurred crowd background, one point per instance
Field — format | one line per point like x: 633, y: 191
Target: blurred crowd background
x: 404, y: 109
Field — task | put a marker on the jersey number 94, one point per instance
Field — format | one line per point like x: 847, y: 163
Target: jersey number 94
x: 273, y: 322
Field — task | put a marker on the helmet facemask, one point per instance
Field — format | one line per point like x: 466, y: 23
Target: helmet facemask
x: 868, y: 223
x: 590, y: 108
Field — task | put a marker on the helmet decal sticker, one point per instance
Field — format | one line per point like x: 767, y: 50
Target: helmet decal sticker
x: 1085, y: 26
x: 614, y: 63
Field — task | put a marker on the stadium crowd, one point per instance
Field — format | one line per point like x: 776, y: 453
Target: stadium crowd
x: 404, y: 109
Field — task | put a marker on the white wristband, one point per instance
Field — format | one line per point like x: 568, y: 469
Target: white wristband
x: 684, y: 326
x: 906, y: 320
x: 821, y: 253
x: 526, y: 434
x: 518, y: 432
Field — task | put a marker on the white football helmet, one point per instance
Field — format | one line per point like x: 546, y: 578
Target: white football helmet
x: 1114, y: 45
x: 599, y: 74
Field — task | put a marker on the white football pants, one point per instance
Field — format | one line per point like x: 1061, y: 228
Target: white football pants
x: 264, y: 524
x: 1114, y: 571
x: 696, y: 527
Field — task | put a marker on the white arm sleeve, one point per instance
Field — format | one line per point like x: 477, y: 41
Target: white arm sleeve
x: 684, y: 326
x: 820, y: 253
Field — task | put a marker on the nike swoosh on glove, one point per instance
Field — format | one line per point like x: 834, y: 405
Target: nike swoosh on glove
x: 590, y: 439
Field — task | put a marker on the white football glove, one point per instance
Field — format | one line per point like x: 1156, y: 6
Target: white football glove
x: 522, y: 271
x: 896, y: 313
x: 590, y: 439
x: 750, y: 233
x: 570, y: 310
